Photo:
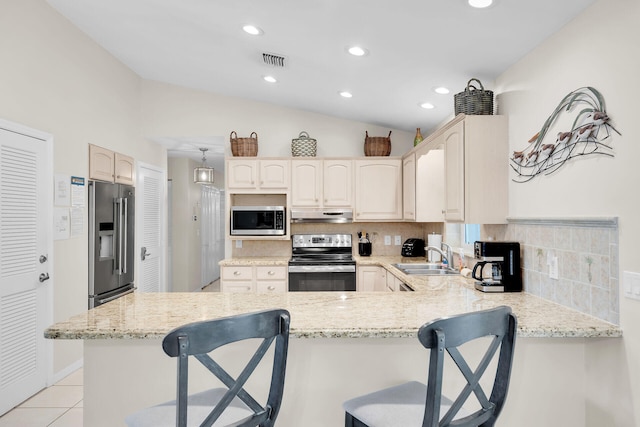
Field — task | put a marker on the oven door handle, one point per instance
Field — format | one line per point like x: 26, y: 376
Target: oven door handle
x: 322, y: 268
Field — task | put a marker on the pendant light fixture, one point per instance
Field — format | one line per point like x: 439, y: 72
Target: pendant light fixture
x: 203, y: 174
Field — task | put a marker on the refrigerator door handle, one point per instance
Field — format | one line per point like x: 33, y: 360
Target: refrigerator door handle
x: 118, y: 219
x: 126, y: 237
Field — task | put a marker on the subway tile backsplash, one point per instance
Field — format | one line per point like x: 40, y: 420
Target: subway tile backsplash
x: 587, y: 252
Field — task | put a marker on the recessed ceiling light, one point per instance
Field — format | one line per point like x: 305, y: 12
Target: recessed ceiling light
x: 357, y: 51
x: 441, y: 90
x: 479, y: 4
x: 270, y: 79
x: 253, y: 30
x: 427, y: 106
x: 346, y: 94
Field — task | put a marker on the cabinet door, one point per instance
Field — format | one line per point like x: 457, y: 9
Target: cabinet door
x: 409, y: 187
x: 239, y: 287
x: 124, y: 169
x: 274, y: 174
x: 378, y: 189
x: 430, y: 186
x: 338, y: 183
x: 453, y: 141
x: 372, y: 278
x: 101, y: 163
x: 306, y: 183
x: 242, y: 174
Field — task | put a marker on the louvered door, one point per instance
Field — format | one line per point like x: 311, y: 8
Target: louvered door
x: 151, y: 226
x: 25, y: 233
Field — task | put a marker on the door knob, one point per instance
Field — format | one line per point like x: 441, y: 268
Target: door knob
x: 43, y: 259
x: 43, y: 277
x: 143, y: 253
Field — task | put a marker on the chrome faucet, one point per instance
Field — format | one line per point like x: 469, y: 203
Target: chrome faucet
x: 448, y: 255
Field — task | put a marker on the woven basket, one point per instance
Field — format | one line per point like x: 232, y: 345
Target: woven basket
x: 303, y: 146
x: 244, y: 147
x: 474, y: 101
x: 377, y: 145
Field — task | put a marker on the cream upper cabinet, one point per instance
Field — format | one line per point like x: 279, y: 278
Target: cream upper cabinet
x: 101, y: 163
x: 476, y: 169
x: 106, y: 165
x: 124, y: 169
x: 429, y: 185
x: 378, y: 184
x: 454, y: 171
x: 254, y: 174
x: 337, y: 183
x: 321, y: 183
x: 306, y: 183
x: 409, y: 187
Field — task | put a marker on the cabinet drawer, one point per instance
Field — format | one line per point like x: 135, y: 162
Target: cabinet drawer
x: 237, y: 273
x: 271, y: 273
x: 237, y: 287
x: 271, y: 287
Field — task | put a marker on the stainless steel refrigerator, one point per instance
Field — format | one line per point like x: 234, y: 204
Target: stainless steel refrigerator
x: 111, y: 241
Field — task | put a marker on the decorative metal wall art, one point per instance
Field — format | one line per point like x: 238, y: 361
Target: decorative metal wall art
x: 591, y: 128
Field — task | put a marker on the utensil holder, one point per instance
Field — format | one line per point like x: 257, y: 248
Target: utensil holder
x: 364, y: 248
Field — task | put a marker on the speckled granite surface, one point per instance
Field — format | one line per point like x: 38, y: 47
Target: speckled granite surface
x: 330, y: 314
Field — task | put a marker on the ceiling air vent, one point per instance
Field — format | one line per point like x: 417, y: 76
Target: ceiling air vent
x: 273, y: 60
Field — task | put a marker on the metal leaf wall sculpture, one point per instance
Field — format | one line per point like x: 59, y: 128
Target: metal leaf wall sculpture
x: 591, y: 128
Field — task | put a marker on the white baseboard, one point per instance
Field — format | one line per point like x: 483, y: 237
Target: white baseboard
x: 61, y: 374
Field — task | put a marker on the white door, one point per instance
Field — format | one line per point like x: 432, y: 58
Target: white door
x: 150, y: 225
x: 25, y: 262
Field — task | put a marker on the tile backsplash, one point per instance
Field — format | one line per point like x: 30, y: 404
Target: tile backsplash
x: 587, y: 253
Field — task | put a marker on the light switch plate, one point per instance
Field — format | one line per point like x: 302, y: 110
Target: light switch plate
x: 398, y: 240
x: 631, y: 285
x: 387, y: 240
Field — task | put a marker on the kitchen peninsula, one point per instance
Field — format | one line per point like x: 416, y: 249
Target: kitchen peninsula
x: 342, y: 345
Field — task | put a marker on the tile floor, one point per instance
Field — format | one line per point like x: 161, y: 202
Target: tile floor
x: 57, y: 406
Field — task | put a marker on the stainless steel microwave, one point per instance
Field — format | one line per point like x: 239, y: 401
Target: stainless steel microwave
x: 258, y: 221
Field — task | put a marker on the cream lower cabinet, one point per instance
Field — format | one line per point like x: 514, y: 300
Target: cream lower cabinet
x: 371, y: 278
x: 476, y: 167
x: 253, y: 279
x: 378, y: 184
x: 322, y: 183
x: 393, y: 283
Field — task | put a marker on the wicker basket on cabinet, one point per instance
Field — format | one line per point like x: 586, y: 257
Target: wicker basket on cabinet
x: 244, y: 147
x: 377, y: 145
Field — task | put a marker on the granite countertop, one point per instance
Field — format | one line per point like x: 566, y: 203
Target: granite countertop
x: 331, y: 314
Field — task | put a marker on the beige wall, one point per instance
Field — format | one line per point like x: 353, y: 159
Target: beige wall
x: 598, y: 49
x: 172, y: 111
x: 54, y: 79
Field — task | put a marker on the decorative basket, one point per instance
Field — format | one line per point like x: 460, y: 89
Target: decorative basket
x: 244, y: 147
x: 303, y: 146
x: 474, y: 101
x: 377, y: 145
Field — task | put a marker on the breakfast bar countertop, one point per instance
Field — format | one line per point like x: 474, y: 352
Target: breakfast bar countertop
x: 331, y: 314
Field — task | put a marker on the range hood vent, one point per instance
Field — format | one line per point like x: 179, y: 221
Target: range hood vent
x: 336, y: 216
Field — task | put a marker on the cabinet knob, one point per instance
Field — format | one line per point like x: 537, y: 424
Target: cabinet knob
x: 271, y: 288
x: 271, y: 273
x: 236, y: 273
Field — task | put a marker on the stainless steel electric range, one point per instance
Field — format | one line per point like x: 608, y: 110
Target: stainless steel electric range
x: 322, y: 262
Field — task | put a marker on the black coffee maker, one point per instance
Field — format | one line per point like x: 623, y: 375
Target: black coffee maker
x: 497, y: 266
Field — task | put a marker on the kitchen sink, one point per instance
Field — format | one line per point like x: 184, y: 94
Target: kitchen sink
x: 426, y: 269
